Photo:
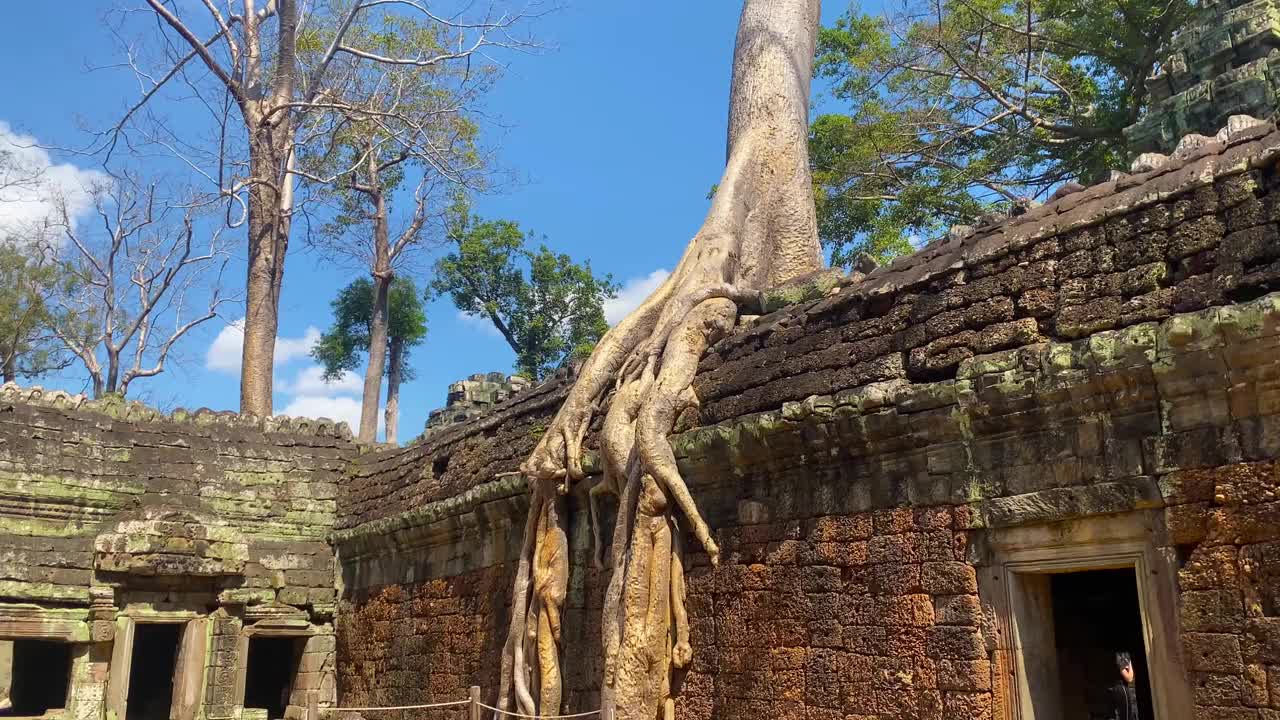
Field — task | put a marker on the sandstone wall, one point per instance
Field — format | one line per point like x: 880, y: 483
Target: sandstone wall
x: 1093, y: 376
x: 112, y: 514
x: 89, y: 492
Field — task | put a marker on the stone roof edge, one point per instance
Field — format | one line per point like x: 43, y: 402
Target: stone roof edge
x: 137, y: 412
x: 1149, y: 343
x: 1245, y: 143
x: 500, y: 488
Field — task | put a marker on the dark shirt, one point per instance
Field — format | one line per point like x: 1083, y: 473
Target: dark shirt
x: 1124, y: 702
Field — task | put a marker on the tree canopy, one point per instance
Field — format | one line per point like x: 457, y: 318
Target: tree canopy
x: 548, y: 308
x: 951, y: 107
x: 342, y: 346
x: 29, y: 278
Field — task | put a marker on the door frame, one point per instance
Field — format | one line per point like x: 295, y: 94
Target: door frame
x: 1015, y: 584
x: 188, y: 669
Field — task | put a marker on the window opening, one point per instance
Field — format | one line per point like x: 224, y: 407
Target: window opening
x: 40, y: 675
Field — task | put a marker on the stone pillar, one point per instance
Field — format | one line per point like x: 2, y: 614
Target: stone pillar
x: 223, y: 666
x: 90, y: 669
x: 6, y: 672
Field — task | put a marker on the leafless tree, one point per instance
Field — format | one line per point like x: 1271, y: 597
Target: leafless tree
x: 395, y: 123
x: 272, y: 74
x: 140, y: 277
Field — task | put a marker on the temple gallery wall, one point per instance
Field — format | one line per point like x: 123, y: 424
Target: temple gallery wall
x: 950, y: 488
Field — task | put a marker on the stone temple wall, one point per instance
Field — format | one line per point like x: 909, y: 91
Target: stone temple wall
x: 898, y: 472
x: 113, y: 517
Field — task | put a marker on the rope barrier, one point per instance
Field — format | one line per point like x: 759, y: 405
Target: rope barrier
x: 538, y: 717
x: 455, y: 703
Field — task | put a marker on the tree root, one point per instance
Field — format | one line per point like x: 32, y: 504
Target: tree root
x: 760, y: 230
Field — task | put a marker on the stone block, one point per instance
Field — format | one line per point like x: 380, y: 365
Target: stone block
x: 966, y: 675
x: 966, y: 705
x: 948, y: 578
x: 1211, y: 610
x: 1215, y: 689
x: 1212, y: 653
x: 957, y: 610
x: 955, y: 643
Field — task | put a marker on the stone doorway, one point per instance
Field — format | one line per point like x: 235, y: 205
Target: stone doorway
x: 270, y: 674
x: 158, y: 666
x: 1096, y: 614
x: 1071, y: 594
x: 152, y: 666
x: 40, y: 675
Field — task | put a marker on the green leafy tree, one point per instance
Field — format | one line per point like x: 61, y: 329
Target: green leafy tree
x: 549, y: 309
x: 350, y: 337
x: 953, y: 107
x: 29, y: 278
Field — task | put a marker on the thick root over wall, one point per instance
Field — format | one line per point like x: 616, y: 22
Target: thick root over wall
x: 760, y: 232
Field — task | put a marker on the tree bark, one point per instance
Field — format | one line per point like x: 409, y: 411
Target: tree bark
x: 271, y: 136
x: 379, y: 317
x: 113, y: 371
x: 377, y: 358
x: 395, y: 370
x: 10, y: 369
x: 268, y: 243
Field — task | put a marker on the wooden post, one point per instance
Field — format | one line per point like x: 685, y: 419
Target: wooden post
x: 475, y: 702
x: 313, y: 705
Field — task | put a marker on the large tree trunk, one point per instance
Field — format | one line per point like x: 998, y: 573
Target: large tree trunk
x: 395, y: 372
x: 112, y: 384
x: 377, y: 359
x: 379, y: 317
x: 271, y: 135
x: 268, y: 242
x: 761, y: 231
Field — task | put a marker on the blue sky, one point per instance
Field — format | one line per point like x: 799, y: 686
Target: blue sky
x: 616, y: 135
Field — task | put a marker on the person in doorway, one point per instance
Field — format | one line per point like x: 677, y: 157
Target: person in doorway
x: 1122, y: 696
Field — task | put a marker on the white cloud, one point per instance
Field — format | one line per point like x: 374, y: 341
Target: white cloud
x: 34, y: 181
x: 335, y: 407
x: 310, y: 381
x: 290, y: 348
x: 224, y: 354
x: 341, y: 409
x: 478, y: 322
x: 633, y: 292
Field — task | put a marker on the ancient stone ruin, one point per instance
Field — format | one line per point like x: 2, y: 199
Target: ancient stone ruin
x: 473, y: 397
x: 939, y: 490
x: 1226, y: 63
x: 947, y: 488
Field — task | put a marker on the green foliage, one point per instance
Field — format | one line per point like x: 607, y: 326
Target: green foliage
x: 955, y: 107
x: 28, y: 280
x: 549, y: 309
x: 340, y: 348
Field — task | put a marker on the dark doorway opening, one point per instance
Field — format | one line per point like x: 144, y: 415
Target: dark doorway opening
x: 41, y: 675
x: 269, y: 674
x: 1095, y: 616
x: 155, y: 656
